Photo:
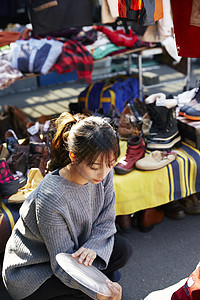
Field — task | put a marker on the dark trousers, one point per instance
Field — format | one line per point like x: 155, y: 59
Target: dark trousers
x: 55, y: 289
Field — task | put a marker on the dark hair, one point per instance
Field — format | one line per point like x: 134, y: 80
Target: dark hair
x: 86, y: 137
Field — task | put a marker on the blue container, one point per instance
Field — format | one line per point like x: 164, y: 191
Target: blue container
x: 56, y: 78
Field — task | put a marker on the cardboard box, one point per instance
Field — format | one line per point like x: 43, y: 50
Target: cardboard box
x: 190, y: 131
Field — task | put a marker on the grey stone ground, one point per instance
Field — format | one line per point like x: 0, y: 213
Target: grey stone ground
x: 171, y: 250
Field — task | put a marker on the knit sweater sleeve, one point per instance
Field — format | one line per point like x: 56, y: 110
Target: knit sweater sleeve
x: 102, y: 237
x: 56, y: 229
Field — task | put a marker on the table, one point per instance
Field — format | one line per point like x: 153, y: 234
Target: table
x: 139, y: 54
x: 139, y: 190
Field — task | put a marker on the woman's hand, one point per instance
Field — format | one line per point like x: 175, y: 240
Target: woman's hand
x: 116, y: 291
x: 86, y: 256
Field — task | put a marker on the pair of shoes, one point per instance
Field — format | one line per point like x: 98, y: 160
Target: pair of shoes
x: 191, y: 204
x: 149, y: 218
x: 174, y: 210
x: 124, y: 223
x: 164, y: 133
x: 135, y: 151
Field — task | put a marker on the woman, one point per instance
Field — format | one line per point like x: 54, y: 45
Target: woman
x: 71, y: 210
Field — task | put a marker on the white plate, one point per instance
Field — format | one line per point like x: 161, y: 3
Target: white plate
x: 88, y: 276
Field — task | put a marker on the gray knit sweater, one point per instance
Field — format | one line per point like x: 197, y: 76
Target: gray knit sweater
x: 53, y: 219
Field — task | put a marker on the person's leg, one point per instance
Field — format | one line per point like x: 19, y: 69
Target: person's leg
x: 121, y: 253
x: 55, y: 289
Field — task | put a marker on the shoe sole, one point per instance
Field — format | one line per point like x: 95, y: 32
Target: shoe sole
x: 194, y: 118
x: 157, y: 146
x: 122, y: 172
x: 163, y: 139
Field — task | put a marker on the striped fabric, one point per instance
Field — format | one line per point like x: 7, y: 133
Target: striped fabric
x: 140, y: 190
x: 9, y: 215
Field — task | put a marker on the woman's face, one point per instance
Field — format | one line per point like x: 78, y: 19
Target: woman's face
x: 99, y: 169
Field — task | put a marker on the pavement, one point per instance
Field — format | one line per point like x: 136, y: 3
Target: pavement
x: 161, y: 257
x: 55, y: 98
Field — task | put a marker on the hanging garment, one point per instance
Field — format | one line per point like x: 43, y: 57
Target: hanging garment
x: 146, y: 11
x: 109, y: 11
x: 49, y: 16
x: 75, y: 57
x: 163, y: 28
x: 187, y: 36
x: 195, y: 17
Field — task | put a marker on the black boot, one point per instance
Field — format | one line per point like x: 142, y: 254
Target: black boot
x: 164, y: 133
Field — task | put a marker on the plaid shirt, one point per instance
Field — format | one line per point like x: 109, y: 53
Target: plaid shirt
x: 75, y: 56
x: 5, y: 172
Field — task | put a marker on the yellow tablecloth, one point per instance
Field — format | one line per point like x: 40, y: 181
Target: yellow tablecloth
x: 145, y: 189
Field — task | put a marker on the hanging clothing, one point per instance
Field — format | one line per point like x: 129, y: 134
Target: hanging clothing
x: 49, y: 16
x: 109, y: 11
x: 163, y: 28
x: 145, y: 11
x: 187, y: 35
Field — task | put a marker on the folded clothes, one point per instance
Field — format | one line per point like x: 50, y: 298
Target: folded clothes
x: 104, y: 50
x: 119, y: 37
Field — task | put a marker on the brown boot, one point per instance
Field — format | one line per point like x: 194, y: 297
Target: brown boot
x: 128, y: 124
x: 191, y: 204
x: 150, y: 217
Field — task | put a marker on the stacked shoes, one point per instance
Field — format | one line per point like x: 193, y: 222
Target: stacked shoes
x: 164, y: 133
x: 191, y: 110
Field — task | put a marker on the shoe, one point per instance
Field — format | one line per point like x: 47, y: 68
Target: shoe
x: 124, y: 223
x: 33, y: 130
x: 184, y: 108
x: 174, y: 210
x: 164, y: 134
x: 155, y: 160
x: 193, y: 112
x: 11, y: 140
x: 190, y: 204
x: 114, y: 276
x: 128, y: 125
x: 164, y: 143
x: 135, y: 150
x: 149, y: 218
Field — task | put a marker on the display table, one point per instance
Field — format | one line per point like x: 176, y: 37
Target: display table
x: 140, y: 190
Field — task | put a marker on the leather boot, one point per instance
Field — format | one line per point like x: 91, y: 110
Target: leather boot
x: 129, y: 125
x: 190, y: 204
x: 135, y: 151
x: 124, y: 223
x: 174, y: 210
x: 150, y: 217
